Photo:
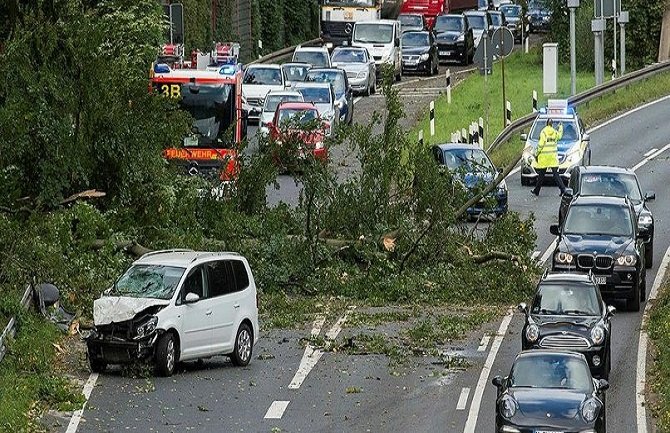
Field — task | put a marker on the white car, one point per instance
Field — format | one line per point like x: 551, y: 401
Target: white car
x: 479, y: 22
x: 383, y: 42
x: 322, y: 95
x: 258, y: 81
x: 272, y: 100
x: 176, y: 305
x: 318, y: 57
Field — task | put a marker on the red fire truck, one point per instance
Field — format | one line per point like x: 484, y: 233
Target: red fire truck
x: 214, y: 99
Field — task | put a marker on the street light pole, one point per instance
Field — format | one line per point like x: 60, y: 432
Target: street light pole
x: 573, y: 5
x: 623, y: 20
x: 598, y: 29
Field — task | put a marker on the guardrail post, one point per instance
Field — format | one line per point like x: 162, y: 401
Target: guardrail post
x: 534, y: 101
x: 508, y: 113
x: 464, y: 135
x: 448, y: 86
x: 457, y: 136
x: 527, y: 37
x: 432, y: 118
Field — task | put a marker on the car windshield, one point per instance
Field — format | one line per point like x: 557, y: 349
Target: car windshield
x: 551, y: 371
x: 607, y: 220
x: 263, y: 76
x: 373, y: 33
x: 349, y: 56
x: 561, y: 299
x: 497, y: 20
x: 295, y: 72
x: 301, y: 117
x: 410, y: 20
x: 317, y: 95
x: 415, y: 39
x: 477, y: 22
x: 148, y: 281
x: 271, y: 101
x: 314, y: 58
x: 511, y: 11
x: 448, y: 24
x: 335, y: 77
x: 570, y: 129
x: 469, y: 160
x: 611, y: 184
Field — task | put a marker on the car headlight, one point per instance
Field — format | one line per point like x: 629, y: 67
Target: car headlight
x: 507, y: 406
x: 147, y: 328
x: 461, y: 38
x: 532, y: 333
x: 645, y: 220
x: 361, y: 74
x: 597, y: 335
x: 423, y: 57
x: 626, y: 260
x: 564, y: 258
x: 590, y: 409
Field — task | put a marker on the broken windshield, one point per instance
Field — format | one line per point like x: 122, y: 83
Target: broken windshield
x: 148, y: 281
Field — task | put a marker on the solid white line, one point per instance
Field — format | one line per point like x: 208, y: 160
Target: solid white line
x: 463, y: 399
x: 650, y: 152
x: 471, y: 423
x: 76, y: 416
x: 634, y: 110
x: 515, y: 171
x: 276, y: 410
x: 535, y: 255
x: 650, y: 157
x: 641, y: 373
x: 357, y: 99
x: 484, y: 343
x: 547, y: 252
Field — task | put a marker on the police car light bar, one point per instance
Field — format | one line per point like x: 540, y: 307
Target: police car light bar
x: 558, y: 106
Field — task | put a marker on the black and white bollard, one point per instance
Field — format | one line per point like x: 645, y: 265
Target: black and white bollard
x: 432, y: 118
x: 464, y: 135
x: 481, y: 132
x: 421, y: 137
x: 448, y: 86
x: 534, y: 101
x: 508, y: 113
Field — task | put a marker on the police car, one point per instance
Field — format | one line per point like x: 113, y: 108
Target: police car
x: 573, y: 147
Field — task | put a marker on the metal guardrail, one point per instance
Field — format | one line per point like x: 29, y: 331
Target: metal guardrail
x: 284, y: 52
x: 584, y: 97
x: 10, y: 329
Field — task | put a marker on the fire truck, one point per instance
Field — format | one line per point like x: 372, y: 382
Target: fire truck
x: 214, y: 100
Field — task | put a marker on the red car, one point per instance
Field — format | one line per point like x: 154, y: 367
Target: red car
x: 287, y: 125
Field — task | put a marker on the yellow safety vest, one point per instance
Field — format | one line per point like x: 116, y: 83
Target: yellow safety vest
x: 547, y: 148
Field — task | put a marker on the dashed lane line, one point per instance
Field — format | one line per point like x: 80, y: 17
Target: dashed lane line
x: 651, y: 157
x: 463, y: 399
x: 276, y: 409
x: 650, y: 152
x: 76, y: 416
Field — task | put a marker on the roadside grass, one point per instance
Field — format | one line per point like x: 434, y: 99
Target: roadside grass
x: 598, y: 110
x: 658, y: 328
x: 523, y: 74
x: 28, y: 383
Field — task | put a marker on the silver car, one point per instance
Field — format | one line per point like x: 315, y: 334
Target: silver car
x: 294, y: 72
x: 322, y: 96
x: 359, y: 66
x: 272, y: 100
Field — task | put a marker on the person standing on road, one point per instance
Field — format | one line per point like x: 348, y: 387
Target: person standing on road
x: 547, y: 156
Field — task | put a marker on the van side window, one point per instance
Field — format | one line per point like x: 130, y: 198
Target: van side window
x: 195, y: 283
x: 241, y: 276
x: 221, y: 280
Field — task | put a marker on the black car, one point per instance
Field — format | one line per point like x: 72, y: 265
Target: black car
x: 613, y: 182
x: 550, y: 391
x: 498, y: 19
x: 514, y: 17
x: 568, y: 313
x: 454, y: 37
x: 539, y: 16
x: 419, y: 53
x: 601, y: 235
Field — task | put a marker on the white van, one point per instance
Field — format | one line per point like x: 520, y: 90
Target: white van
x: 176, y: 305
x: 382, y: 39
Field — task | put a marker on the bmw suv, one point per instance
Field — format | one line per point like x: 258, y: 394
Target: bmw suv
x: 601, y: 235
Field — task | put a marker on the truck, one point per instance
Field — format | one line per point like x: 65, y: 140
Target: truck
x: 338, y: 17
x: 432, y: 8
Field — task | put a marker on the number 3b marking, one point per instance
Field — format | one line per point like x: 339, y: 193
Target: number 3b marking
x: 171, y: 90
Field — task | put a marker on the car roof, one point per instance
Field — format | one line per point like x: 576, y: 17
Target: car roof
x: 332, y: 69
x: 598, y: 200
x: 545, y: 116
x: 479, y: 13
x: 297, y: 106
x: 377, y: 22
x: 296, y: 64
x: 313, y: 49
x: 284, y: 93
x: 307, y: 84
x: 182, y: 258
x: 413, y: 14
x: 450, y: 15
x: 596, y: 169
x: 264, y: 65
x: 454, y: 146
x: 425, y: 32
x: 565, y: 277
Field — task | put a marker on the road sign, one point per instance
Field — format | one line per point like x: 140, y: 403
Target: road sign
x: 175, y: 16
x: 484, y: 46
x: 503, y: 42
x: 609, y: 9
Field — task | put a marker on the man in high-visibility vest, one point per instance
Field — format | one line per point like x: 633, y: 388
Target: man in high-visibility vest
x: 547, y: 156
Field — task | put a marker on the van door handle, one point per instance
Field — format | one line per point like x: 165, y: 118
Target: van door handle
x: 208, y: 313
x: 236, y: 306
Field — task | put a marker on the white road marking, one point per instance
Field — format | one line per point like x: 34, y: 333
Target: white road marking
x: 535, y: 255
x: 471, y: 423
x: 463, y: 399
x: 650, y: 157
x: 276, y: 409
x: 550, y: 249
x: 484, y: 343
x: 357, y: 99
x: 313, y: 354
x: 76, y: 416
x: 515, y: 171
x: 621, y: 116
x: 641, y: 373
x: 650, y: 152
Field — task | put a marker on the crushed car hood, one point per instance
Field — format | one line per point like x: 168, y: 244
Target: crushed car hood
x: 110, y: 309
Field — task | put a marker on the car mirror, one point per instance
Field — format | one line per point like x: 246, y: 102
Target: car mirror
x: 586, y: 137
x: 603, y: 385
x: 569, y: 193
x: 497, y: 381
x: 524, y: 137
x: 611, y: 311
x: 338, y: 104
x: 522, y: 307
x: 650, y: 195
x: 191, y: 298
x: 554, y: 230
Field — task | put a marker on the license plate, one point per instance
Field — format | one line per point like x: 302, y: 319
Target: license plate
x: 445, y: 53
x: 599, y: 280
x: 548, y: 431
x: 191, y: 141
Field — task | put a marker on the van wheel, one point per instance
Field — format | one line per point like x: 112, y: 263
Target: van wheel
x: 243, y: 346
x: 166, y: 355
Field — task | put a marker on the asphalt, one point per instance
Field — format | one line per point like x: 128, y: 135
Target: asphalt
x: 345, y: 393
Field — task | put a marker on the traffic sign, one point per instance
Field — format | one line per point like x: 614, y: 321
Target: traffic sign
x: 606, y: 8
x: 484, y: 46
x: 503, y: 42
